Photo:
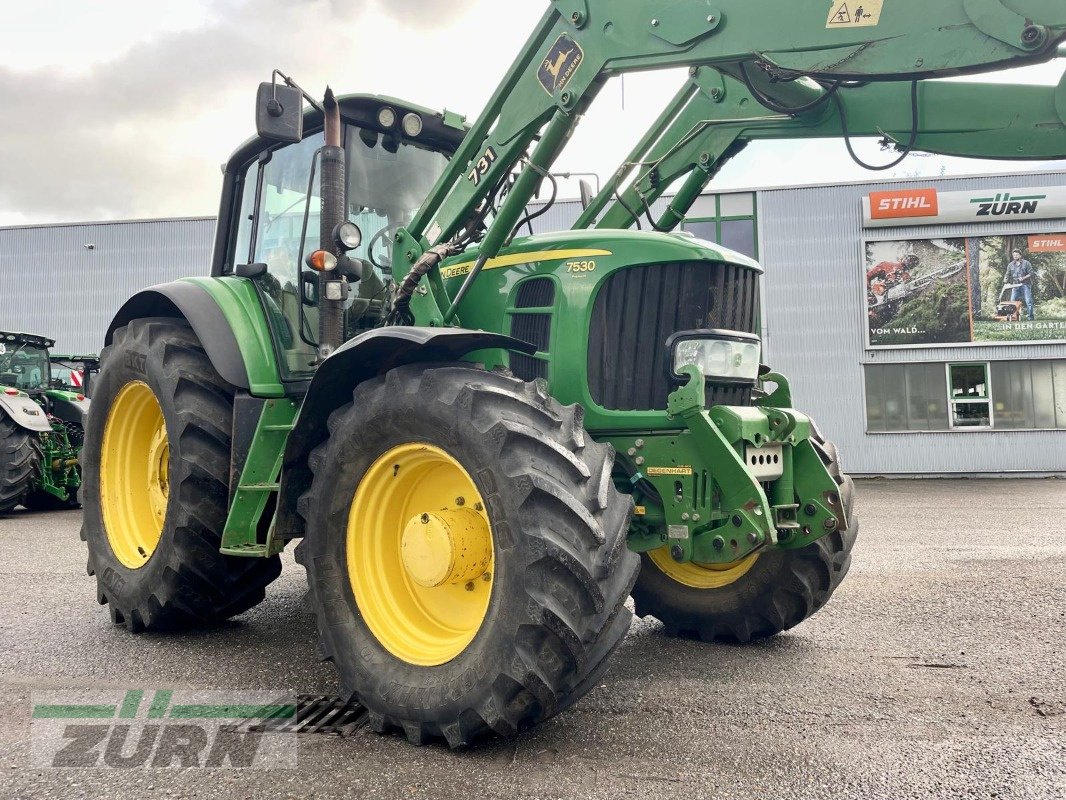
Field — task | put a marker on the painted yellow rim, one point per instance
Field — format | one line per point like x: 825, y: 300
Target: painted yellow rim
x: 134, y: 475
x: 420, y: 554
x: 701, y: 576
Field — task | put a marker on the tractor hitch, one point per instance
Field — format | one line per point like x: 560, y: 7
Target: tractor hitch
x: 737, y: 480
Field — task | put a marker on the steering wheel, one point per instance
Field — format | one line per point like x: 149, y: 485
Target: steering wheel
x: 383, y: 234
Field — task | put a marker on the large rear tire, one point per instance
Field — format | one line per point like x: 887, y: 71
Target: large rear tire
x: 20, y: 463
x: 516, y: 618
x: 755, y: 598
x: 156, y: 467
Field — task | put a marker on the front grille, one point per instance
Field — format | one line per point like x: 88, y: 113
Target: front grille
x: 535, y: 293
x: 638, y: 309
x: 528, y: 368
x: 532, y: 327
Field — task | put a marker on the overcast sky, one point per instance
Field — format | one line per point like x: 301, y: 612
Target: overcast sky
x: 126, y: 108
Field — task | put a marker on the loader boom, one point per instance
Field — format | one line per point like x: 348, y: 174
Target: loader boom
x: 715, y: 116
x: 580, y: 43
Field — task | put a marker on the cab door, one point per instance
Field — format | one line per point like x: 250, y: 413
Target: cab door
x: 279, y: 226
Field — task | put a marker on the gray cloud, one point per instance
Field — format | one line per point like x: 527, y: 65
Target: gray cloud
x: 101, y: 144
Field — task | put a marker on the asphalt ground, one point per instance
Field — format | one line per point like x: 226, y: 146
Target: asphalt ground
x: 938, y: 670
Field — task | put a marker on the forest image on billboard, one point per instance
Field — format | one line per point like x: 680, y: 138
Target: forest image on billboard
x: 958, y: 291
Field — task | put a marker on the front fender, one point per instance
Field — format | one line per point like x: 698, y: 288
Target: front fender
x: 228, y: 319
x: 367, y: 355
x: 24, y: 412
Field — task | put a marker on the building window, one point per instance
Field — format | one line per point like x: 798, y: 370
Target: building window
x: 997, y: 395
x: 726, y: 219
x: 969, y: 396
x: 906, y: 397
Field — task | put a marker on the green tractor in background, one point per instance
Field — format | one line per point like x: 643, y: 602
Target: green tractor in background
x: 42, y: 425
x: 485, y: 442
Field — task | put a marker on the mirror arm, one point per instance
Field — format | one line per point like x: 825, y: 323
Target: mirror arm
x: 294, y: 85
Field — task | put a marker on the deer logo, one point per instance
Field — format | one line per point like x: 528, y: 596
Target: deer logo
x: 560, y: 64
x: 553, y: 69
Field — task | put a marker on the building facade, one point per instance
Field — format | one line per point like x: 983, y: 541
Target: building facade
x: 898, y: 310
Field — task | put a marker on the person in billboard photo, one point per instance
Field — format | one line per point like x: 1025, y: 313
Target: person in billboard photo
x: 1019, y: 277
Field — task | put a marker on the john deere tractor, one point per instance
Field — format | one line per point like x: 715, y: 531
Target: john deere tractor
x: 482, y: 441
x: 41, y: 428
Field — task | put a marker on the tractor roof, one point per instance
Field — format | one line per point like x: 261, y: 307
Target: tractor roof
x: 26, y: 338
x: 441, y: 131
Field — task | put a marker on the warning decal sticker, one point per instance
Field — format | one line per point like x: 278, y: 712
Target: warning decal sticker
x: 854, y: 13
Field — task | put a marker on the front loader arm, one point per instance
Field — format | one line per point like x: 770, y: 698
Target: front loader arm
x: 580, y: 43
x: 715, y: 116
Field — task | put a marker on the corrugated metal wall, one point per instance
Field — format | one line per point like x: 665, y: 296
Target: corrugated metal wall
x: 811, y: 243
x: 51, y: 283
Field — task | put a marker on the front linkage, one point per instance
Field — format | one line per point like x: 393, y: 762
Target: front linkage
x: 737, y: 480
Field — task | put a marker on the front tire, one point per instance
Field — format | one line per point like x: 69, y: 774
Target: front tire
x: 20, y: 463
x: 156, y: 467
x: 517, y: 618
x: 757, y: 597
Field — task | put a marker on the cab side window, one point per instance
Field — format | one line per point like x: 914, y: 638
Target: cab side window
x: 275, y: 202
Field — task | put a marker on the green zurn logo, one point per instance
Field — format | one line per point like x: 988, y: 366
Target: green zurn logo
x: 1004, y: 205
x: 160, y: 729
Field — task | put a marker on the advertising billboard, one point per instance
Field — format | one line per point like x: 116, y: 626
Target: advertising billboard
x: 976, y: 290
x: 933, y: 207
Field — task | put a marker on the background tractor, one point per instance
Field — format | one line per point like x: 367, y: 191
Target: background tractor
x: 41, y: 428
x: 484, y: 441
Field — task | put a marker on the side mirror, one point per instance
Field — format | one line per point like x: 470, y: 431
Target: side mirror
x: 279, y: 113
x: 586, y: 193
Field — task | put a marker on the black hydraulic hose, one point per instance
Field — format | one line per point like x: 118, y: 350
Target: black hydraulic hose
x: 906, y: 150
x: 630, y: 211
x: 651, y: 219
x: 773, y: 105
x: 528, y: 219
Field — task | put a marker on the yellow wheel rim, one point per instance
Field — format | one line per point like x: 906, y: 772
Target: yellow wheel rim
x: 701, y: 576
x: 420, y: 554
x: 134, y: 475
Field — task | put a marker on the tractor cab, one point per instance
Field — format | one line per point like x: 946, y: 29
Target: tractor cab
x: 270, y: 218
x: 24, y: 363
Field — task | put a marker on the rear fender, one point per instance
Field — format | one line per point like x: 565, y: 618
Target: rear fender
x: 228, y: 319
x: 366, y: 356
x: 24, y: 412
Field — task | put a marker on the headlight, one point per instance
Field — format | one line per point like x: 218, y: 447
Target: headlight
x: 412, y: 125
x: 723, y: 356
x: 386, y: 117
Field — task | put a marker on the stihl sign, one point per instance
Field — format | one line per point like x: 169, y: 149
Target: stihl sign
x: 931, y: 207
x: 905, y: 204
x: 1048, y: 243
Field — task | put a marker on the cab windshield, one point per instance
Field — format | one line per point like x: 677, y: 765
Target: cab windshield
x: 23, y: 366
x: 387, y: 181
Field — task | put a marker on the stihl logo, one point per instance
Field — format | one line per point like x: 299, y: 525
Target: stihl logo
x: 1048, y: 243
x: 905, y: 203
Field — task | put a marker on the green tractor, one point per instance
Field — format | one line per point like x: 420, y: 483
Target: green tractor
x: 41, y: 428
x: 485, y: 442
